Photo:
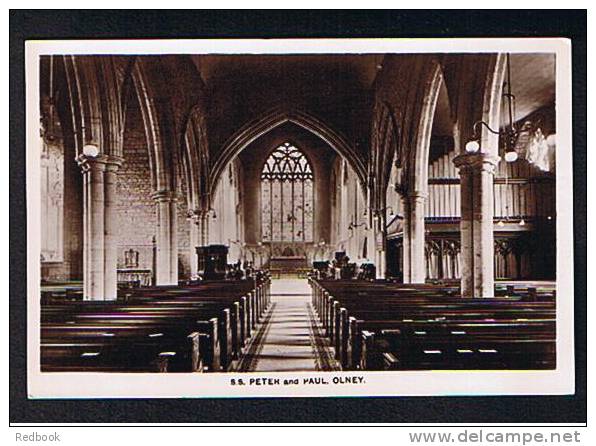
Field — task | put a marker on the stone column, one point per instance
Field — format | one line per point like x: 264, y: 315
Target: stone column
x: 174, y: 240
x: 405, y: 203
x: 484, y: 250
x: 194, y: 237
x: 93, y: 209
x: 465, y: 228
x: 382, y: 271
x: 379, y: 245
x: 416, y: 237
x: 86, y: 238
x: 477, y: 240
x: 203, y: 223
x: 166, y: 238
x: 112, y: 164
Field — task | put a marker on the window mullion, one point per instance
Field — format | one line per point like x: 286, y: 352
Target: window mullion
x: 293, y: 214
x: 303, y: 213
x: 281, y: 209
x: 288, y: 164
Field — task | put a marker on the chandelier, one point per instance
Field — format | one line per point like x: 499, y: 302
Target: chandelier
x: 510, y: 133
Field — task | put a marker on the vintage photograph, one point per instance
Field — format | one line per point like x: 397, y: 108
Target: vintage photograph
x: 310, y: 218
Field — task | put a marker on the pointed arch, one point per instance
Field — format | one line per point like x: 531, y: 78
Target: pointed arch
x: 84, y: 127
x: 491, y: 109
x: 287, y: 162
x: 474, y: 84
x: 287, y: 196
x: 94, y: 95
x: 275, y: 118
x: 138, y: 81
x: 418, y: 162
x: 195, y: 158
x: 384, y: 150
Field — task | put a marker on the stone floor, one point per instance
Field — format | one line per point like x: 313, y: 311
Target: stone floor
x: 289, y: 338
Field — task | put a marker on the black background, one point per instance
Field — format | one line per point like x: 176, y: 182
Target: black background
x: 77, y: 24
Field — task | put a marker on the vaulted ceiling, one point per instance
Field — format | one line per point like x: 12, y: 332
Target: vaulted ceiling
x: 359, y: 69
x: 337, y: 88
x: 532, y: 82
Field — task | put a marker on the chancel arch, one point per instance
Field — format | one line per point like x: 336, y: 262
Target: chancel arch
x: 278, y: 117
x: 286, y: 183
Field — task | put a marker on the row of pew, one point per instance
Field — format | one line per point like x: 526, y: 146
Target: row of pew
x: 377, y: 325
x: 200, y: 327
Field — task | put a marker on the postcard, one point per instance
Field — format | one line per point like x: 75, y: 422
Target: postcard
x: 299, y: 217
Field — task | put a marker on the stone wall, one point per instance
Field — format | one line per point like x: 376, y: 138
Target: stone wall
x: 184, y: 249
x: 70, y: 264
x: 136, y: 209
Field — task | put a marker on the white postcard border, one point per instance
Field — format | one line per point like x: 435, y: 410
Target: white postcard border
x: 432, y: 383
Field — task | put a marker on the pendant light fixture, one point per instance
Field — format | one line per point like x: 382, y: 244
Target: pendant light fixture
x: 510, y: 133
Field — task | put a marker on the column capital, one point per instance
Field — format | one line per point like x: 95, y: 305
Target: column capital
x: 164, y: 196
x: 469, y: 162
x: 113, y: 163
x: 192, y: 214
x: 88, y: 163
x: 100, y: 162
x: 198, y: 212
x: 417, y: 196
x: 195, y: 215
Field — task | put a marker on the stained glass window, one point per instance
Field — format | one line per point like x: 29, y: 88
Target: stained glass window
x: 287, y: 196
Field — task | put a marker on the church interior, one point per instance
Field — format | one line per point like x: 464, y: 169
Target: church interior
x: 217, y: 213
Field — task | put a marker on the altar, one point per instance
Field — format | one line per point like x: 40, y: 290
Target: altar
x: 288, y: 265
x: 133, y: 277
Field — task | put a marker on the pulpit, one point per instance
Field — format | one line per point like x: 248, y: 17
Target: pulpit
x: 212, y: 261
x: 321, y: 269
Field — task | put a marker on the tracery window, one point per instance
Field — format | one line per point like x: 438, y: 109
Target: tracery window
x: 287, y: 196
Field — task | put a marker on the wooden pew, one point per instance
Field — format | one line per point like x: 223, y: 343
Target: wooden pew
x: 66, y: 351
x: 257, y: 300
x: 210, y: 345
x: 241, y: 320
x: 348, y: 330
x: 155, y: 318
x: 252, y: 304
x: 211, y: 320
x: 350, y: 309
x: 421, y: 307
x: 509, y: 352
